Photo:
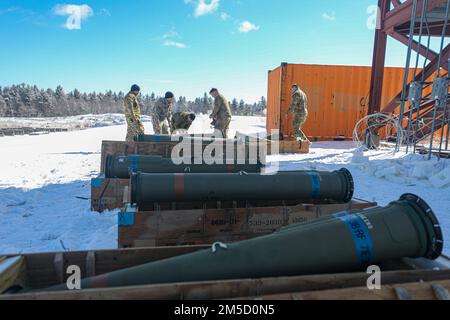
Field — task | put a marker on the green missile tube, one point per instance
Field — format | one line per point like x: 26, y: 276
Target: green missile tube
x: 302, y: 186
x: 344, y: 242
x: 206, y: 138
x: 121, y: 166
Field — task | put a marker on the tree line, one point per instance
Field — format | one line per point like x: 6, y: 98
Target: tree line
x: 30, y: 101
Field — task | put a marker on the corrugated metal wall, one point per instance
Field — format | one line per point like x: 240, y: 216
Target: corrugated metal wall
x: 274, y: 99
x: 337, y: 97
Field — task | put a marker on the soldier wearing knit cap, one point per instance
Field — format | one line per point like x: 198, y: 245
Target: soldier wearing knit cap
x: 133, y: 114
x: 162, y: 114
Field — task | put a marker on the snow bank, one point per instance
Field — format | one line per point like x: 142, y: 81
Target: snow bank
x: 405, y: 168
x: 75, y: 122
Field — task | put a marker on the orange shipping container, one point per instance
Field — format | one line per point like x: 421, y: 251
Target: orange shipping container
x: 337, y: 97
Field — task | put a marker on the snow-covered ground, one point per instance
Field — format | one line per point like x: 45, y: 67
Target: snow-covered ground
x: 45, y: 182
x: 75, y: 122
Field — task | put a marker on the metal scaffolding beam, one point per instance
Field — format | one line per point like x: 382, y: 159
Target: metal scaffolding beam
x: 402, y: 21
x: 392, y: 22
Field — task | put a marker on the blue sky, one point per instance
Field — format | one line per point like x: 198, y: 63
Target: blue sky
x: 187, y: 46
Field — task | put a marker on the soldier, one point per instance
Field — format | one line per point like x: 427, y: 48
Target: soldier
x: 221, y: 114
x: 299, y: 106
x: 182, y: 121
x: 162, y: 114
x: 133, y: 114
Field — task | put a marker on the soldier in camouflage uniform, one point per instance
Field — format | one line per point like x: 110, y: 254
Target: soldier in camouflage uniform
x: 221, y: 114
x: 162, y: 114
x: 133, y: 114
x: 182, y: 121
x: 299, y: 106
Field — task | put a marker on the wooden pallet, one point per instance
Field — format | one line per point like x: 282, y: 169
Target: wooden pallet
x: 288, y: 146
x: 38, y: 271
x: 43, y: 270
x: 434, y: 290
x: 165, y: 150
x: 227, y: 224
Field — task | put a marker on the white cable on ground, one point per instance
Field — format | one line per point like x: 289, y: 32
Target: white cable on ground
x: 389, y: 129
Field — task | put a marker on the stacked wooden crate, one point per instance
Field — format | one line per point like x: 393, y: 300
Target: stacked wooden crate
x: 108, y: 194
x: 205, y: 223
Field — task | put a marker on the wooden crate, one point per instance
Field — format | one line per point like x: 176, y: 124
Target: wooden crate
x: 423, y: 290
x: 108, y: 194
x: 228, y: 224
x: 288, y: 146
x: 39, y: 271
x: 47, y: 269
x: 119, y: 148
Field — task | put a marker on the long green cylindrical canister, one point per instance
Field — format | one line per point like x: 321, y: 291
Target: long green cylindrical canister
x: 240, y: 151
x: 344, y: 242
x: 305, y: 186
x: 205, y: 138
x: 177, y: 138
x: 120, y: 166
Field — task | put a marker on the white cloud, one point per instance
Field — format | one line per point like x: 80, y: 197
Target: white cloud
x: 204, y: 8
x: 170, y: 43
x: 171, y: 34
x: 75, y: 13
x: 329, y: 16
x: 247, y: 26
x: 224, y: 16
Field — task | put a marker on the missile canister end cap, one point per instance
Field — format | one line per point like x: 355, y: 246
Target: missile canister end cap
x: 133, y: 185
x: 436, y: 240
x: 351, y: 184
x: 108, y: 165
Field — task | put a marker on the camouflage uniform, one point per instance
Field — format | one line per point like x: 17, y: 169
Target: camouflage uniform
x: 299, y: 106
x: 221, y: 115
x: 133, y: 116
x: 161, y: 116
x: 181, y: 121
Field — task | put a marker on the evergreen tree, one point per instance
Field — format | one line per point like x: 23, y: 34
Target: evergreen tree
x: 234, y: 106
x: 27, y: 101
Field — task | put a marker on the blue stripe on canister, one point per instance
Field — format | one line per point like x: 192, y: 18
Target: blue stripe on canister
x: 360, y: 235
x: 315, y: 184
x: 134, y: 163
